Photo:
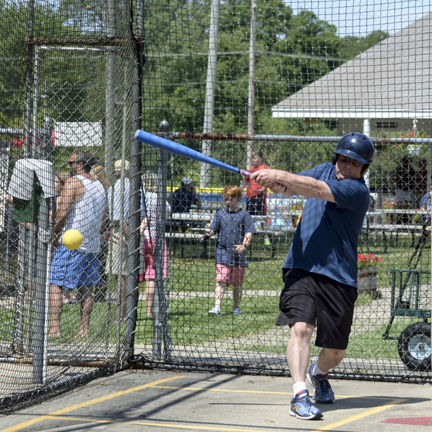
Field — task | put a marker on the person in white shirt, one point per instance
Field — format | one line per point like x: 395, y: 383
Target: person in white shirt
x: 118, y: 211
x: 82, y: 207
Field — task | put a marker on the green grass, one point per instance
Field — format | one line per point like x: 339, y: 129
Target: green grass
x: 369, y: 344
x: 192, y: 275
x: 102, y: 323
x: 190, y: 322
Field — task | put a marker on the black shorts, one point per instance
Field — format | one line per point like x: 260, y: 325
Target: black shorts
x: 320, y: 301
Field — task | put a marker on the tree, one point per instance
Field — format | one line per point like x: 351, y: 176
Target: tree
x: 291, y: 51
x: 351, y: 46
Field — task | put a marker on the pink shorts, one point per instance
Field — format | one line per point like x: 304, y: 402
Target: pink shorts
x: 150, y: 272
x: 230, y: 275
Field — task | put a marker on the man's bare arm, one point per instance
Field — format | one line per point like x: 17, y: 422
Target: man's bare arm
x: 281, y: 189
x: 295, y: 184
x: 71, y: 193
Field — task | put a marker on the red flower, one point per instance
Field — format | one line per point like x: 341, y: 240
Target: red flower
x: 367, y: 261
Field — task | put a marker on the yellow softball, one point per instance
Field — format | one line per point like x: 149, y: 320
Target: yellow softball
x: 72, y: 239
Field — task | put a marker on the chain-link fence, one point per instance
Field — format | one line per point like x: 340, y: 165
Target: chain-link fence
x: 391, y: 331
x: 71, y: 103
x: 228, y: 80
x: 289, y: 79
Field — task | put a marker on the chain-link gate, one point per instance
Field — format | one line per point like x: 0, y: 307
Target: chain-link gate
x: 279, y: 79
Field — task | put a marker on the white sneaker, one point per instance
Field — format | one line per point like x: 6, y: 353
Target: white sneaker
x: 236, y: 311
x: 215, y: 311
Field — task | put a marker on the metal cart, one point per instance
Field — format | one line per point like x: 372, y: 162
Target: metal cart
x: 410, y: 297
x: 410, y: 291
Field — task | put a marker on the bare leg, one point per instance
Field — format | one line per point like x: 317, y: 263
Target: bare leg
x: 298, y: 351
x: 149, y: 293
x: 329, y: 358
x: 237, y: 295
x: 86, y: 303
x: 219, y: 293
x: 55, y: 304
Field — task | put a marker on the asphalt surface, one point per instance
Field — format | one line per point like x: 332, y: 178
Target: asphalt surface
x: 159, y: 400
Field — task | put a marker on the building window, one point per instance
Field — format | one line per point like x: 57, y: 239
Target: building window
x: 386, y: 125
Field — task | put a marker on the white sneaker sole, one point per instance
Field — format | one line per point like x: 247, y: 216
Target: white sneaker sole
x: 313, y: 417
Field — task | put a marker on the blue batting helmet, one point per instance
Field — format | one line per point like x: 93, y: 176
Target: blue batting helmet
x: 356, y: 145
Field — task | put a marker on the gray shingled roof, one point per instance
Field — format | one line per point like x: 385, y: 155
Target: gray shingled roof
x: 390, y: 80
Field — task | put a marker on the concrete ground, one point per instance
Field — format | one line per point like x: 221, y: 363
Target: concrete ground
x: 160, y: 400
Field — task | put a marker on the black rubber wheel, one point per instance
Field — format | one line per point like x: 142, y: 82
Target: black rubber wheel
x: 414, y: 346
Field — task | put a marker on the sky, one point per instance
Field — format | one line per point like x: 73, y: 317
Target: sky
x: 361, y: 17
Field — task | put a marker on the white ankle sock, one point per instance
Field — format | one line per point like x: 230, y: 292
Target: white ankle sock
x: 317, y: 371
x: 299, y: 387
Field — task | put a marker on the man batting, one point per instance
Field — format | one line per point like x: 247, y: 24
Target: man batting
x: 320, y: 270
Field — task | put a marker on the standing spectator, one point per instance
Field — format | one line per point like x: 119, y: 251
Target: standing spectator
x: 235, y: 228
x: 185, y: 197
x: 82, y: 207
x: 118, y: 234
x: 149, y: 231
x: 320, y: 270
x: 256, y: 195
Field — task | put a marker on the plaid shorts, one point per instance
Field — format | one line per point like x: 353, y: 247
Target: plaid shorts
x: 72, y: 269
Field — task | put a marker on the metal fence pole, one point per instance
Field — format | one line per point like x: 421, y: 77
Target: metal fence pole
x: 132, y: 291
x: 159, y: 306
x: 40, y: 341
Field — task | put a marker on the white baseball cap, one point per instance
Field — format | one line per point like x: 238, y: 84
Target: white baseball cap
x: 186, y: 181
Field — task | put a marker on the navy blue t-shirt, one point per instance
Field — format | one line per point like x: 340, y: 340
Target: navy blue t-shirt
x: 326, y: 238
x: 231, y: 227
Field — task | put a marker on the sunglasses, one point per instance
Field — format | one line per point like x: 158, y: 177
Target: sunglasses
x: 346, y: 160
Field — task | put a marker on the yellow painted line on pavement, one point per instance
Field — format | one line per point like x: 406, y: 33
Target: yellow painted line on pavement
x: 58, y: 415
x: 338, y: 396
x: 223, y: 390
x: 162, y: 425
x: 86, y: 404
x: 360, y: 416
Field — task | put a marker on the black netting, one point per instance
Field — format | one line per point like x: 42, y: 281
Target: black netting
x: 225, y: 79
